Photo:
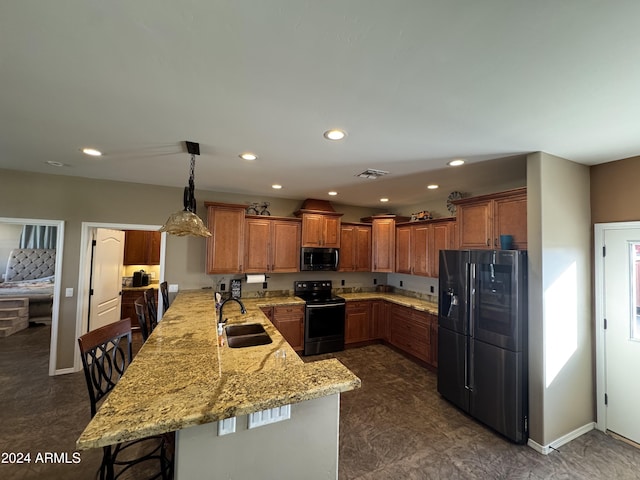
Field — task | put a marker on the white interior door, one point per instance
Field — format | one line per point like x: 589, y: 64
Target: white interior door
x: 106, y: 277
x: 622, y: 334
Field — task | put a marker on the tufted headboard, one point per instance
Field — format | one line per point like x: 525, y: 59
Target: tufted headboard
x: 30, y: 264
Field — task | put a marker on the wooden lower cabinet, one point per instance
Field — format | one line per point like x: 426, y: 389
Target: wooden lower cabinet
x: 410, y: 331
x: 127, y: 310
x: 289, y: 320
x: 379, y: 320
x: 357, y: 322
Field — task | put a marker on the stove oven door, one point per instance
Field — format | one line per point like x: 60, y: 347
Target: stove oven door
x: 324, y: 328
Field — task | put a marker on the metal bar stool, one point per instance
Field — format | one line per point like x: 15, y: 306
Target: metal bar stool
x: 152, y: 308
x: 141, y: 308
x: 106, y: 353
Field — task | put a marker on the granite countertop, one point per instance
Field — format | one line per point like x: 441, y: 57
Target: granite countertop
x: 181, y: 377
x: 411, y: 302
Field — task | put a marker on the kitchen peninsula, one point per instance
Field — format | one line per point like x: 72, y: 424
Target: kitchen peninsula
x: 182, y: 381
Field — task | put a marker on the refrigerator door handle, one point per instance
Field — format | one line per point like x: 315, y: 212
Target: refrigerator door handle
x: 472, y: 298
x: 469, y: 381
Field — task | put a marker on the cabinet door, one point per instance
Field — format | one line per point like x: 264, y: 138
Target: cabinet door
x: 289, y: 320
x: 475, y: 226
x: 348, y: 247
x: 510, y: 218
x: 312, y: 225
x: 285, y: 246
x: 439, y: 240
x: 135, y: 247
x: 379, y: 320
x: 225, y: 246
x: 420, y: 250
x: 256, y: 245
x: 383, y: 244
x: 357, y: 322
x: 403, y: 249
x: 433, y: 339
x: 153, y: 251
x: 331, y: 232
x: 362, y: 242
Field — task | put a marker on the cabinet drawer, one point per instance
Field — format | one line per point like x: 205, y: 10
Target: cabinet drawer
x: 415, y: 346
x: 410, y: 329
x: 289, y: 311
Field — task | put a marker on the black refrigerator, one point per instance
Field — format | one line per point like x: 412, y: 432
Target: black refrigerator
x: 482, y: 337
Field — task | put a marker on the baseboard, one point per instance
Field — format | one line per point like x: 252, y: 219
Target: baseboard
x: 64, y: 371
x: 547, y: 449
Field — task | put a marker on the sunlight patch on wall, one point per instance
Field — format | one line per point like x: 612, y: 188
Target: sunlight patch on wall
x: 561, y: 322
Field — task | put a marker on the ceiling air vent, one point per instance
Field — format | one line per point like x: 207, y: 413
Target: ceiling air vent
x: 372, y: 173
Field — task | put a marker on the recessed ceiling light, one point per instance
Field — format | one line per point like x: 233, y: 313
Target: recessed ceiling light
x: 456, y: 163
x: 384, y: 200
x: 248, y: 156
x: 276, y: 186
x: 333, y: 193
x: 92, y: 152
x: 334, y: 134
x: 432, y: 187
x: 55, y: 164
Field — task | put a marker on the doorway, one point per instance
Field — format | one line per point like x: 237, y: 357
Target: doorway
x: 617, y: 283
x: 53, y: 344
x: 84, y: 275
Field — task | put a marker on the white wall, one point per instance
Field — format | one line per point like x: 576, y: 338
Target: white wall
x: 560, y: 329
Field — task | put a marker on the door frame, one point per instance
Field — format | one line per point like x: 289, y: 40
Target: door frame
x: 55, y: 311
x: 84, y: 274
x: 598, y: 242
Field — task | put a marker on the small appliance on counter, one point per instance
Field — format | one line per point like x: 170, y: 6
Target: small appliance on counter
x: 140, y: 279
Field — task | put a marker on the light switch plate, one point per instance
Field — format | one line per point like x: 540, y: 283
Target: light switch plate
x: 173, y: 287
x: 226, y: 426
x: 272, y: 415
x: 68, y: 292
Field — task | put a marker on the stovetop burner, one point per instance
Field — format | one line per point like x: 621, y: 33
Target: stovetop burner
x: 316, y: 292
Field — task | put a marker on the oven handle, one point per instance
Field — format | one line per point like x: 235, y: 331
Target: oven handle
x: 331, y: 305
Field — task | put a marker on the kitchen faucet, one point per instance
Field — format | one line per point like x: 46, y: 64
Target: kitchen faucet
x: 242, y: 309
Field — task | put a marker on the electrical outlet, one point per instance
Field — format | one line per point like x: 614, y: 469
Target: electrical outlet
x: 400, y: 282
x: 264, y: 285
x: 431, y: 289
x: 375, y: 281
x: 342, y: 282
x: 223, y: 287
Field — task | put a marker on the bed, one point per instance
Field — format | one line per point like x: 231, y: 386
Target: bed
x: 30, y: 274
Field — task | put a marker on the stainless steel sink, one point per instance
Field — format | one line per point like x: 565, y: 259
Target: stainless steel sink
x: 247, y: 335
x: 244, y: 329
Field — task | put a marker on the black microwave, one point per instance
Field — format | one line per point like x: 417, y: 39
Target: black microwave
x: 318, y: 259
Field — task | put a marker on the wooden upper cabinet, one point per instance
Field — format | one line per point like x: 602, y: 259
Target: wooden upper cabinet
x: 225, y: 252
x: 321, y: 230
x: 141, y: 247
x: 481, y: 220
x: 383, y: 241
x: 355, y: 248
x: 403, y: 249
x: 418, y: 245
x: 383, y: 244
x: 441, y: 237
x: 272, y: 245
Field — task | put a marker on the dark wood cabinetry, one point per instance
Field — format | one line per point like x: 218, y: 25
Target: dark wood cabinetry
x: 355, y: 248
x: 410, y: 331
x: 379, y: 320
x: 225, y: 252
x: 141, y: 247
x: 289, y: 320
x: 383, y: 241
x: 418, y: 246
x: 357, y: 322
x: 127, y: 310
x: 321, y: 230
x: 272, y: 245
x: 483, y: 219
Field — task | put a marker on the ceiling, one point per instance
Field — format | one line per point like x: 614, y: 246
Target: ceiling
x: 414, y: 83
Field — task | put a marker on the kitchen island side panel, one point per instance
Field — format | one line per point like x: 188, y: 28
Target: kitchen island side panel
x: 305, y: 446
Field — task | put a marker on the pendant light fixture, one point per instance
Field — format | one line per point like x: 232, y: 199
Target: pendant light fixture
x: 186, y: 222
